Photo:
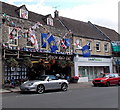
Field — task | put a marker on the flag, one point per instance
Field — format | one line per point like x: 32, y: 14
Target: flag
x: 51, y: 39
x: 62, y: 42
x: 33, y: 40
x: 67, y: 42
x: 52, y: 43
x: 53, y: 48
x: 86, y: 51
x: 77, y: 45
x: 43, y: 40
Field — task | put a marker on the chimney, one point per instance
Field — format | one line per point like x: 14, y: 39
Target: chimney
x: 56, y: 14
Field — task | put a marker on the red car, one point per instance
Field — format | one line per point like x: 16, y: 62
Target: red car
x: 107, y: 79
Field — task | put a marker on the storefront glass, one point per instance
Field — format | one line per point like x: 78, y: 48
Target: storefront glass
x: 92, y: 71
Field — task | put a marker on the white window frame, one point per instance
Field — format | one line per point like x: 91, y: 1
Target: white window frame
x: 25, y: 12
x: 106, y: 47
x: 79, y: 41
x: 98, y: 43
x: 89, y: 43
x: 50, y: 21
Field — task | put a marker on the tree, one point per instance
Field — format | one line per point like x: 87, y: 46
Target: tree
x: 12, y: 63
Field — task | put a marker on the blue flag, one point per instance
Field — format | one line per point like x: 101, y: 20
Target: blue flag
x: 43, y: 40
x: 86, y: 51
x: 51, y: 39
x: 67, y: 42
x: 52, y: 43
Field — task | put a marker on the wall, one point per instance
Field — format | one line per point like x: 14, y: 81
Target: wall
x: 93, y: 46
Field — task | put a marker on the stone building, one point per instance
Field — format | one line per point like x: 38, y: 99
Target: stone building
x: 34, y: 44
x: 37, y: 44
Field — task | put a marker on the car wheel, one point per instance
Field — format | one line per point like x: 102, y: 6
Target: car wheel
x: 107, y: 84
x: 95, y: 85
x: 64, y: 87
x: 118, y: 83
x: 40, y: 89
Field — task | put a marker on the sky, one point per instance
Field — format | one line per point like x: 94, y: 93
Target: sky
x: 100, y: 12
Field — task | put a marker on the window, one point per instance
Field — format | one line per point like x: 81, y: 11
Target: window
x: 106, y: 47
x: 13, y: 36
x: 97, y: 46
x: 50, y: 21
x: 78, y: 43
x: 23, y: 13
x: 89, y: 45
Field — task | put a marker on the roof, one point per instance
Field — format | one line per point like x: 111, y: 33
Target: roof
x: 12, y: 10
x: 112, y: 34
x: 78, y: 28
x: 82, y: 29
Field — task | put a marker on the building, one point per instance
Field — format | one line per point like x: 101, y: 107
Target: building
x: 28, y: 36
x: 115, y: 43
x: 99, y: 45
x: 34, y: 44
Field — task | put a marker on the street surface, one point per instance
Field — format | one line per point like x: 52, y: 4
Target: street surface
x: 89, y: 97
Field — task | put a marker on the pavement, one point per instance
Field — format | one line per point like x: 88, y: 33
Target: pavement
x: 71, y: 86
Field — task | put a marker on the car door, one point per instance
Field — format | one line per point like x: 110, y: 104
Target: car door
x: 53, y: 82
x: 112, y: 79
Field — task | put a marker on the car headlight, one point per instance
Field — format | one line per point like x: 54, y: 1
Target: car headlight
x: 30, y: 84
x: 102, y: 80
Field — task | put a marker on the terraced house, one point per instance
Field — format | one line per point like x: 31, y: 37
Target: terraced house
x: 34, y: 44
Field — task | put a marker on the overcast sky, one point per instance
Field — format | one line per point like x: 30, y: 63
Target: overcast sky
x: 100, y: 12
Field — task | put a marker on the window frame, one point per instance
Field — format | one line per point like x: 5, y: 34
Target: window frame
x: 106, y: 47
x: 98, y: 46
x: 89, y: 43
x: 50, y: 21
x: 79, y: 43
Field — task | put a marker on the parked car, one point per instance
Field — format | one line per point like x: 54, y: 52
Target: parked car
x: 107, y: 79
x: 44, y: 82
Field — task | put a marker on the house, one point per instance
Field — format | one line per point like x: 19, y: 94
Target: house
x: 100, y: 58
x: 115, y: 43
x: 30, y: 37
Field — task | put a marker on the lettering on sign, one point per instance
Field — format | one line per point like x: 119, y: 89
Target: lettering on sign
x: 94, y: 59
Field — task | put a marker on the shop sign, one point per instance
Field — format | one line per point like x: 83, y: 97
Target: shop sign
x: 94, y: 59
x: 60, y: 57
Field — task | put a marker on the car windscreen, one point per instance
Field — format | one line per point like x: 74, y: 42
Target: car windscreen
x: 103, y: 76
x: 42, y: 78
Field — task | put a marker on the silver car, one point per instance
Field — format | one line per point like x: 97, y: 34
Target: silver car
x: 44, y: 82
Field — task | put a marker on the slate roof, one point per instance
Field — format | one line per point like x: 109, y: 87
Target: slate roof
x: 12, y: 10
x: 82, y: 29
x: 112, y: 34
x: 79, y: 28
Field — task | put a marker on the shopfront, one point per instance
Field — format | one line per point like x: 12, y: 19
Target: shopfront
x: 89, y: 68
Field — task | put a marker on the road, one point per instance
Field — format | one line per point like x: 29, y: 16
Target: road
x: 89, y: 97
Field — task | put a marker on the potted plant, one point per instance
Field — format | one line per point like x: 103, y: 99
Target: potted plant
x: 74, y: 79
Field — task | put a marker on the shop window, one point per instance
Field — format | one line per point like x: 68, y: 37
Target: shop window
x: 15, y: 73
x: 13, y: 36
x: 97, y: 46
x: 106, y: 47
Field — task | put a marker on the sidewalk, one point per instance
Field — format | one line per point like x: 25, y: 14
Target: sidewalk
x: 71, y: 86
